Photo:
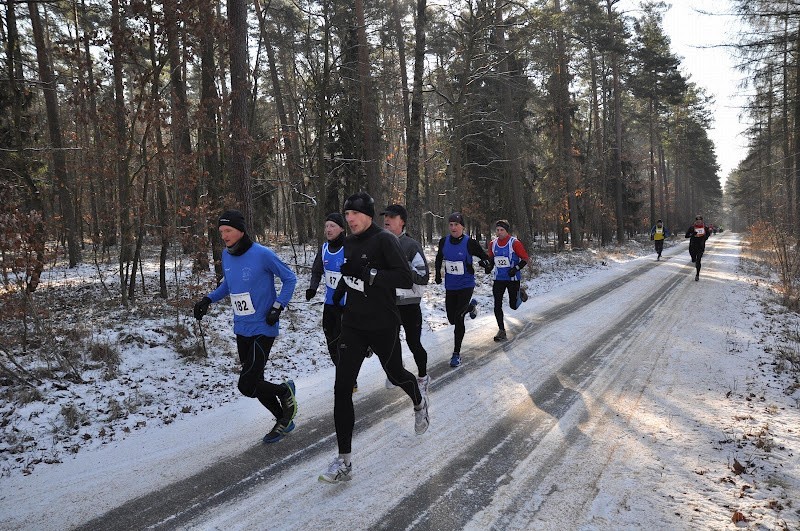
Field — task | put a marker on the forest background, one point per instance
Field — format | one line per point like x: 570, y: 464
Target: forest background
x: 133, y: 123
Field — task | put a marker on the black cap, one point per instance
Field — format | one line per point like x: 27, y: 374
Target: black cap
x: 396, y: 210
x: 232, y: 218
x: 503, y: 223
x: 360, y: 202
x: 658, y: 221
x: 456, y: 217
x: 336, y: 218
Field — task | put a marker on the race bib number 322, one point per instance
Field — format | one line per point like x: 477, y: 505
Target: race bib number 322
x: 242, y: 304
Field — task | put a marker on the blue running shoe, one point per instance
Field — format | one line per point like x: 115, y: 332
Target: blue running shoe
x: 288, y: 402
x: 278, y: 432
x: 455, y: 361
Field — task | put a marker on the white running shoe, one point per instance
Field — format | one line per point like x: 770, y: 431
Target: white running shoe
x: 421, y: 421
x: 423, y: 383
x: 337, y: 472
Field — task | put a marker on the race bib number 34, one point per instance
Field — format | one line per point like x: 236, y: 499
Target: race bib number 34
x: 242, y: 304
x: 453, y: 268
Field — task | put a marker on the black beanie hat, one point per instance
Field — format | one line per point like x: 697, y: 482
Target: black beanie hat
x: 360, y: 202
x: 456, y: 217
x: 396, y: 210
x: 232, y: 218
x: 336, y: 218
x: 503, y: 223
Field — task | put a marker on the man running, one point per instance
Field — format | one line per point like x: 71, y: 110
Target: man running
x: 374, y: 268
x: 456, y: 253
x: 327, y: 263
x: 509, y: 258
x: 699, y: 233
x: 250, y: 270
x: 395, y: 218
x: 658, y: 233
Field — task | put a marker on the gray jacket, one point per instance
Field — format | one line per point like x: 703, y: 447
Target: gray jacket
x: 413, y: 252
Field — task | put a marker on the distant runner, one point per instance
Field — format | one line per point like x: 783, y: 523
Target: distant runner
x: 509, y: 257
x: 699, y: 233
x: 456, y: 253
x: 658, y: 233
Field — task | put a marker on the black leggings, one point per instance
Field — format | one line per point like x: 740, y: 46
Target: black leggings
x: 499, y: 289
x: 696, y: 252
x: 456, y: 302
x: 353, y: 344
x: 332, y: 327
x: 411, y: 317
x: 253, y: 354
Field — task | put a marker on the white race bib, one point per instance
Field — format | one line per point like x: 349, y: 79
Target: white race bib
x: 453, y: 268
x: 502, y: 261
x: 332, y: 278
x: 355, y: 283
x: 242, y: 304
x: 699, y: 231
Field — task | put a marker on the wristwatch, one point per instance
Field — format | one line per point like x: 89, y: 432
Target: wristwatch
x: 372, y: 274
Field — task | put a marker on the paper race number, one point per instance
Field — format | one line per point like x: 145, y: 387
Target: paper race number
x: 242, y: 304
x: 332, y: 278
x: 502, y: 261
x: 453, y: 268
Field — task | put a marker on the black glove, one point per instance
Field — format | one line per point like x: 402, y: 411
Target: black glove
x: 310, y: 294
x: 438, y: 278
x: 351, y: 269
x: 512, y: 271
x: 338, y: 295
x: 201, y: 307
x: 274, y: 314
x: 487, y: 265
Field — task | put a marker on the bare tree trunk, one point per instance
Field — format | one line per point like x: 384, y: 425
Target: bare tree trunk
x: 565, y: 123
x: 288, y: 130
x: 63, y: 182
x: 239, y: 159
x: 209, y: 131
x: 617, y: 161
x: 369, y: 113
x: 415, y: 123
x: 33, y: 198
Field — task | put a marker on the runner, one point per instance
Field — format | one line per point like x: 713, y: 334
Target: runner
x: 699, y: 233
x: 250, y: 271
x: 509, y: 257
x: 456, y: 252
x: 658, y: 233
x: 374, y: 268
x: 326, y: 265
x: 395, y: 218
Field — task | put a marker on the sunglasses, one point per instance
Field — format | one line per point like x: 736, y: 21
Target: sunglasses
x: 697, y: 219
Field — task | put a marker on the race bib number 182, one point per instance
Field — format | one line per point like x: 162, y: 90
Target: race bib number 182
x: 242, y: 304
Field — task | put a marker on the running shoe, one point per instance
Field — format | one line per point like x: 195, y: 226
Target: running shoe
x: 288, y: 402
x: 455, y: 361
x: 523, y: 294
x: 337, y: 472
x: 423, y: 382
x: 501, y: 335
x: 278, y: 432
x: 421, y: 421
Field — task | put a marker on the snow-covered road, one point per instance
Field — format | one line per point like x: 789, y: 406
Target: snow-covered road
x: 615, y: 404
